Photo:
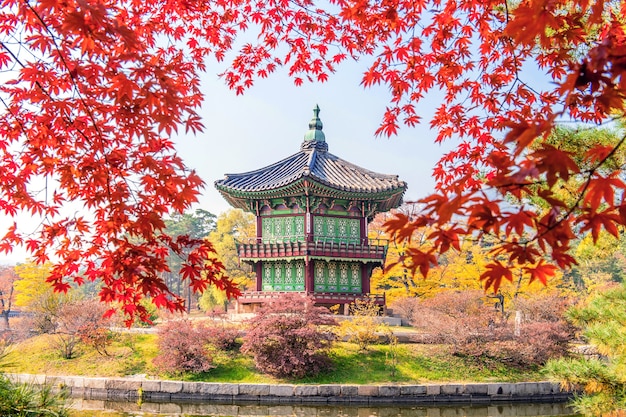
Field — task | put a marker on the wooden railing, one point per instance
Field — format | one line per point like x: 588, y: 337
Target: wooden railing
x: 253, y: 249
x: 248, y: 297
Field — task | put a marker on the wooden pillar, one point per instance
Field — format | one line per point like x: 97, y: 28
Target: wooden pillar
x: 309, y: 281
x: 365, y: 278
x: 259, y: 276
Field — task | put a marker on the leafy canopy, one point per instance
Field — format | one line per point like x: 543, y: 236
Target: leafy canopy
x: 93, y: 89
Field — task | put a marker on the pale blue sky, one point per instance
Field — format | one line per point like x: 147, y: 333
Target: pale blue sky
x: 268, y: 123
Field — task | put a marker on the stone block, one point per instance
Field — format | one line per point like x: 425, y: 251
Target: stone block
x: 525, y: 389
x: 123, y: 384
x: 433, y: 389
x: 328, y: 390
x: 349, y: 390
x: 171, y: 387
x: 499, y: 389
x: 95, y: 383
x: 35, y: 379
x: 412, y: 390
x: 151, y: 386
x: 368, y: 390
x: 451, y: 389
x: 476, y: 389
x: 306, y: 390
x: 190, y: 388
x: 389, y: 390
x: 282, y: 390
x: 254, y: 389
x: 208, y: 388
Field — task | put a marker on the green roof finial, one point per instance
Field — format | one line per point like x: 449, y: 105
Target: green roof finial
x: 315, y: 127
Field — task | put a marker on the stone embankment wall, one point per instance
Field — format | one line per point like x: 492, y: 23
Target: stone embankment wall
x: 129, y: 389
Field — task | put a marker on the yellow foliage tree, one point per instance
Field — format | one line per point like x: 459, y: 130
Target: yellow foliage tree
x: 232, y: 225
x: 31, y: 287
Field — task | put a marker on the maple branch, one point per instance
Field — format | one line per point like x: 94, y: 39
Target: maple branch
x: 581, y: 194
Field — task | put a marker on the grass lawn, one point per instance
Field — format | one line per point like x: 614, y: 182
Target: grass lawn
x: 132, y: 354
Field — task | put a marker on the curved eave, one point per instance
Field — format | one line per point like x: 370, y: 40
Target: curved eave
x: 366, y: 260
x: 387, y: 198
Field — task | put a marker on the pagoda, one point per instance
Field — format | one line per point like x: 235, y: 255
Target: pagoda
x: 312, y: 211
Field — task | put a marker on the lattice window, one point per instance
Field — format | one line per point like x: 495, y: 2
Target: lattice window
x: 355, y: 229
x: 319, y: 272
x: 318, y: 225
x: 288, y: 228
x: 330, y: 226
x: 288, y: 277
x: 300, y: 273
x: 343, y: 274
x: 299, y: 226
x: 267, y: 227
x: 278, y: 223
x: 280, y: 274
x: 332, y: 273
x: 343, y: 228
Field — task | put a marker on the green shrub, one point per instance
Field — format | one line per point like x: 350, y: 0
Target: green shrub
x: 24, y: 400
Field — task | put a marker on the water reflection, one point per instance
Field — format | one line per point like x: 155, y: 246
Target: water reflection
x: 95, y: 408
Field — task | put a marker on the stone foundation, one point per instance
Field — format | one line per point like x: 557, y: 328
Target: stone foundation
x: 127, y: 389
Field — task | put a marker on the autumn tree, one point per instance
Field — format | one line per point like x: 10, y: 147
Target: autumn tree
x: 36, y: 297
x: 92, y: 91
x: 7, y: 293
x: 233, y: 225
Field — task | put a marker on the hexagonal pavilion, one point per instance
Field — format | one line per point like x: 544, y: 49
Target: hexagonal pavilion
x: 312, y: 211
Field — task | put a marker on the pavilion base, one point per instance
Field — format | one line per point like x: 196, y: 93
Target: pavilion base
x: 250, y: 301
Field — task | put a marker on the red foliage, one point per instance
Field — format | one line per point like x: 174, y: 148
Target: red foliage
x: 222, y: 336
x: 183, y: 348
x: 90, y: 100
x: 286, y: 340
x: 474, y: 329
x: 81, y: 321
x: 93, y: 90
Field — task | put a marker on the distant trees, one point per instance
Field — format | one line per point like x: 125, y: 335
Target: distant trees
x: 7, y: 293
x: 232, y: 225
x: 197, y: 225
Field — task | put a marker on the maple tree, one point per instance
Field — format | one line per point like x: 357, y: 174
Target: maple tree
x: 91, y: 92
x: 93, y: 89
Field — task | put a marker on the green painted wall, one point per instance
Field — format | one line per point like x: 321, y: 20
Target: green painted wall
x: 284, y: 228
x: 337, y: 276
x: 283, y: 276
x: 337, y: 229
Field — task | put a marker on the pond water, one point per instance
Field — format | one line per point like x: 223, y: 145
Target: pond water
x: 93, y: 408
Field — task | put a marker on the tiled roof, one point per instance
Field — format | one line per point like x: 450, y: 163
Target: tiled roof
x: 320, y: 166
x: 315, y: 163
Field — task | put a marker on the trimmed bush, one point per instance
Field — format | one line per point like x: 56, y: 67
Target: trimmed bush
x: 183, y: 348
x: 286, y: 338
